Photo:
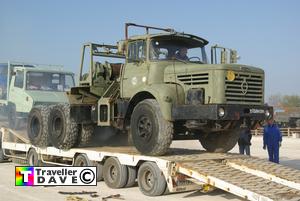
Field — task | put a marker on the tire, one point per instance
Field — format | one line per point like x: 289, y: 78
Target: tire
x: 37, y: 126
x: 131, y: 176
x: 99, y: 170
x: 63, y: 130
x: 13, y: 122
x: 85, y: 134
x: 82, y: 160
x: 33, y: 158
x: 151, y: 133
x: 220, y: 142
x: 115, y: 174
x: 151, y: 180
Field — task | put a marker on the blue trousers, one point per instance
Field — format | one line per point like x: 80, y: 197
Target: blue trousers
x: 273, y: 152
x: 244, y: 148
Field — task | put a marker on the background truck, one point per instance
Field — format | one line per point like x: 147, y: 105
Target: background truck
x: 158, y: 88
x: 24, y: 86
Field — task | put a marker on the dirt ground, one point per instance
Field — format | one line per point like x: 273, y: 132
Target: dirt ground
x: 289, y: 155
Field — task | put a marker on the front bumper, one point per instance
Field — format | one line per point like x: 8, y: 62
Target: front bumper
x: 211, y: 112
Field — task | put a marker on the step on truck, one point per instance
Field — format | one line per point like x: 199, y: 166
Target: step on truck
x: 157, y: 88
x: 179, y: 170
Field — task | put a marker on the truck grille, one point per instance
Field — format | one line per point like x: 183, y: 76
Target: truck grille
x: 194, y: 79
x: 247, y: 88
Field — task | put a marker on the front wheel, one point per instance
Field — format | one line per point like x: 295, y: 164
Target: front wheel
x: 151, y: 133
x: 220, y: 141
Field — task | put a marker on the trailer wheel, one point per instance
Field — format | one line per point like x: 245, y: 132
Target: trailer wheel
x: 114, y: 173
x: 85, y: 134
x: 33, y: 158
x: 63, y: 130
x: 151, y: 180
x: 82, y: 160
x: 220, y: 142
x: 151, y: 133
x: 37, y: 126
x: 131, y: 176
x: 99, y: 171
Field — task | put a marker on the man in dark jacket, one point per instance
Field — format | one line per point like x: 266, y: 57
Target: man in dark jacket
x: 245, y: 141
x: 272, y: 140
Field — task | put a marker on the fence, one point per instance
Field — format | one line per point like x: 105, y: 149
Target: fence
x: 284, y: 131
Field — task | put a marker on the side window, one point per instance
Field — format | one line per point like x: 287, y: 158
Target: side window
x: 19, y: 79
x: 136, y: 51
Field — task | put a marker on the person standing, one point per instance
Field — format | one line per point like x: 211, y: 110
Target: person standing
x: 272, y: 140
x: 244, y: 141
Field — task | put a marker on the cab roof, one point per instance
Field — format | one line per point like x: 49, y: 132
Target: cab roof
x: 189, y: 38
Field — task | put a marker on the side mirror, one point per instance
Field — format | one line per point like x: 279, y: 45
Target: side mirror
x: 121, y: 47
x: 233, y: 56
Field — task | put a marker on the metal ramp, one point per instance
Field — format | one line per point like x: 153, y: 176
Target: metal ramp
x: 246, y: 177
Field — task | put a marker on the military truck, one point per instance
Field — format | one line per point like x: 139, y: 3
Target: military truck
x: 24, y: 86
x: 160, y: 87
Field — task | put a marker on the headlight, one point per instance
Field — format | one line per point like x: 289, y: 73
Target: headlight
x: 267, y: 113
x: 221, y: 112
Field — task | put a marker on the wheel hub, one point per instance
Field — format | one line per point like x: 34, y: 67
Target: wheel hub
x: 148, y: 180
x: 144, y: 127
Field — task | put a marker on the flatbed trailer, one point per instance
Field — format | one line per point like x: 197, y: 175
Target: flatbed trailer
x: 179, y: 171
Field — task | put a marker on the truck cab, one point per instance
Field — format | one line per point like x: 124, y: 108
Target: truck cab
x: 29, y: 85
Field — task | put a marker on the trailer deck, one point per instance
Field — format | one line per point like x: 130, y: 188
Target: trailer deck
x: 250, y: 178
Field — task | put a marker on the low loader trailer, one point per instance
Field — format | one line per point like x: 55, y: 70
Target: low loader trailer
x: 179, y: 170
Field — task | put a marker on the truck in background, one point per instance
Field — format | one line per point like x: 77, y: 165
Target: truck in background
x: 24, y: 86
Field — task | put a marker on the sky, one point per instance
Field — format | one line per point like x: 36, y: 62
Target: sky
x: 266, y: 34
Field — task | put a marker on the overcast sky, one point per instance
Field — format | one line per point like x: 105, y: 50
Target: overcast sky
x: 265, y: 33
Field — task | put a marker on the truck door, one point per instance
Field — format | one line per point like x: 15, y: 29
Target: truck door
x: 135, y: 71
x: 16, y: 95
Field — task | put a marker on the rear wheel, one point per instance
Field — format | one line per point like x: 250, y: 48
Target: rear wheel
x: 37, y: 126
x: 115, y: 174
x: 151, y: 180
x: 221, y: 141
x: 63, y: 130
x: 99, y: 170
x: 32, y: 158
x: 131, y: 176
x: 82, y: 160
x: 151, y: 133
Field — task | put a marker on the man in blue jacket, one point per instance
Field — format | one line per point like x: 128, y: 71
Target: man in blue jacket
x: 272, y: 140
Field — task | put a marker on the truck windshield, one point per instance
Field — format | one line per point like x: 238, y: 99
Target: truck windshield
x: 46, y: 81
x: 178, y: 48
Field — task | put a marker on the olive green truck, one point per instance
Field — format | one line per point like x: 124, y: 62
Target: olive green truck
x: 156, y: 88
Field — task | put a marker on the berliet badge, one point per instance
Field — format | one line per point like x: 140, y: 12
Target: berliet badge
x: 244, y: 87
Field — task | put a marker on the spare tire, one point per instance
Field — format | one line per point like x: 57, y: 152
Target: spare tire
x: 221, y: 141
x: 63, y: 130
x: 37, y: 126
